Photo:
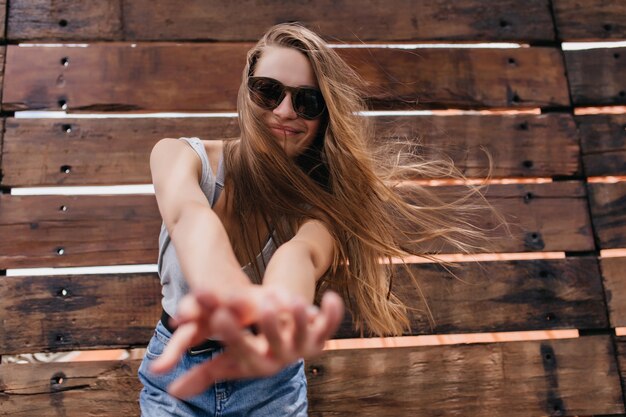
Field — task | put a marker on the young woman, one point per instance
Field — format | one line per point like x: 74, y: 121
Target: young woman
x: 257, y: 229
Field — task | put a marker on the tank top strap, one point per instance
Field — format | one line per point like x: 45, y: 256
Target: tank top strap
x: 219, y: 180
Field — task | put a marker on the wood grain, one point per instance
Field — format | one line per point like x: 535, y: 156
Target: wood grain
x: 72, y: 312
x: 58, y: 230
x: 351, y: 20
x: 620, y: 343
x: 470, y: 380
x: 155, y: 77
x: 607, y: 204
x: 614, y: 279
x: 456, y: 380
x: 41, y: 20
x: 70, y: 389
x: 3, y: 49
x: 3, y: 13
x: 43, y: 152
x: 597, y: 77
x: 118, y: 311
x: 535, y: 213
x: 506, y: 296
x: 603, y: 144
x: 590, y: 20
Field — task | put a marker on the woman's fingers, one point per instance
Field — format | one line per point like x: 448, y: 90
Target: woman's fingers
x: 300, y: 334
x: 240, y: 344
x: 204, y: 375
x: 333, y: 311
x: 185, y: 336
x: 323, y: 323
x: 194, y: 308
x: 277, y: 327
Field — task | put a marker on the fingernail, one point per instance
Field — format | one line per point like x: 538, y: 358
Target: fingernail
x: 312, y: 309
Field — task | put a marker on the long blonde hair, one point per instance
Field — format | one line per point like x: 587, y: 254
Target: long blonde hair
x: 362, y: 192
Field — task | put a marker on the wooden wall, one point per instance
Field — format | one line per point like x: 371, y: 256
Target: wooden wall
x: 139, y: 56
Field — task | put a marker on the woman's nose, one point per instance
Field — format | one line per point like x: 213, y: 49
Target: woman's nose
x: 285, y: 108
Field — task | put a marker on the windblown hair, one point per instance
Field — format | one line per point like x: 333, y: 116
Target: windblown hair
x: 360, y: 188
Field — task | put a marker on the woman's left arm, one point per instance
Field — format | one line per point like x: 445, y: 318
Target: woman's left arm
x: 299, y: 263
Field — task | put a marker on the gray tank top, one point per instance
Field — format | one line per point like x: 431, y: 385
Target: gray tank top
x: 174, y: 285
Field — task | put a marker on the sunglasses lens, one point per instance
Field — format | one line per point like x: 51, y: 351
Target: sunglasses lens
x: 265, y: 92
x: 309, y: 103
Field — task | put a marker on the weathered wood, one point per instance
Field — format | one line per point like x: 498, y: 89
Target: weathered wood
x: 614, y: 278
x: 535, y: 213
x: 67, y: 312
x: 621, y: 360
x: 70, y: 389
x: 166, y: 77
x: 469, y: 380
x: 502, y: 296
x: 456, y: 380
x: 95, y: 151
x: 607, y: 203
x: 597, y: 76
x: 38, y: 231
x: 590, y: 20
x: 40, y: 152
x: 603, y: 144
x: 352, y: 20
x: 43, y: 20
x: 78, y: 312
x: 519, y: 145
x: 2, y: 67
x: 2, y: 173
x: 3, y: 13
x: 64, y: 230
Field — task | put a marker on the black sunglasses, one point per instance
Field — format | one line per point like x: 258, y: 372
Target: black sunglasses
x: 268, y: 93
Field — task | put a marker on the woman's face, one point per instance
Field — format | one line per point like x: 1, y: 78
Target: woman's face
x: 292, y: 68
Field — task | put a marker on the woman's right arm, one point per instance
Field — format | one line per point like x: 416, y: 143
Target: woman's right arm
x: 202, y: 246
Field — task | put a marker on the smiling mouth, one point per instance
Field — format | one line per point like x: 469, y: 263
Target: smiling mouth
x: 284, y: 130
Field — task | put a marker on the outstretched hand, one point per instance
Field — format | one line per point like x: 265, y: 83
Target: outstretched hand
x: 288, y: 329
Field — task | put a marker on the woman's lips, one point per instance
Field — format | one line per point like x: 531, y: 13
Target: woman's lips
x: 284, y: 130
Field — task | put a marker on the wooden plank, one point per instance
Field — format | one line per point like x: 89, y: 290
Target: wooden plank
x: 117, y: 77
x: 427, y: 381
x: 535, y: 213
x: 469, y: 380
x: 614, y: 278
x: 608, y: 214
x: 95, y: 151
x: 41, y: 152
x: 66, y: 311
x: 603, y: 143
x: 590, y: 20
x: 502, y: 296
x: 65, y: 20
x: 519, y: 145
x: 72, y: 312
x: 70, y: 389
x: 214, y: 20
x: 68, y: 230
x: 58, y: 230
x: 596, y: 76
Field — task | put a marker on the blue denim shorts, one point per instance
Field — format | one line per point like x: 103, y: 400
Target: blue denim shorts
x: 283, y: 394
